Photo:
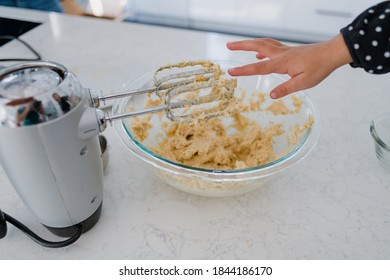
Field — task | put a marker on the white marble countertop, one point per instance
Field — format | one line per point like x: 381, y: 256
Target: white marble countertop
x: 333, y: 205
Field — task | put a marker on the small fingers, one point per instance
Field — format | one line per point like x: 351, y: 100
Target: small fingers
x: 271, y: 41
x: 245, y: 45
x: 267, y: 47
x: 292, y: 85
x: 259, y: 68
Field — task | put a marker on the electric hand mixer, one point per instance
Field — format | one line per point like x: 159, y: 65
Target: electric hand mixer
x: 49, y: 128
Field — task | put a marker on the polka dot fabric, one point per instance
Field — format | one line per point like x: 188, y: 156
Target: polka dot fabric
x: 368, y: 39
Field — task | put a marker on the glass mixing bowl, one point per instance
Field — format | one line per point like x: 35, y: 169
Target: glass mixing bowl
x: 220, y: 183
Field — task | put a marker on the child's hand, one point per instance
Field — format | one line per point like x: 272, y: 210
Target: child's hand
x: 307, y: 65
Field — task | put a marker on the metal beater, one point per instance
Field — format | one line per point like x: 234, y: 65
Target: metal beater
x: 168, y: 87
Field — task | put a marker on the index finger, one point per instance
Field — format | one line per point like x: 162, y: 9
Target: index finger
x: 261, y: 46
x: 259, y: 68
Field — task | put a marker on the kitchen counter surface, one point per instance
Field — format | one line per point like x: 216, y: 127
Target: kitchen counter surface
x: 333, y: 205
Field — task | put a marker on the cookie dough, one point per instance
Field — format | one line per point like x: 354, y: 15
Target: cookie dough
x: 206, y: 143
x: 212, y: 144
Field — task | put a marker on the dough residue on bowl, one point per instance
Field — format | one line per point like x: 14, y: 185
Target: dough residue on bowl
x: 208, y: 143
x: 211, y: 144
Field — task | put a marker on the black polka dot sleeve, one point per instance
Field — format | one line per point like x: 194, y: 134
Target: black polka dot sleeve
x: 368, y: 39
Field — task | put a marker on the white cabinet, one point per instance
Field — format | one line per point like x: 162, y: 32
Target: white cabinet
x: 323, y: 18
x: 158, y: 8
x: 211, y: 11
x: 248, y: 17
x: 269, y: 13
x: 300, y: 20
x: 167, y: 12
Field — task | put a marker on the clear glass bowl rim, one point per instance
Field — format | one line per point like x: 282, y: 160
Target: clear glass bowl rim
x: 374, y: 132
